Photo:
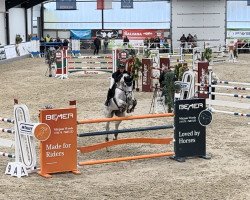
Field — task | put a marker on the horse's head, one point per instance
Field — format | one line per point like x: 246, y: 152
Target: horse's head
x: 126, y: 84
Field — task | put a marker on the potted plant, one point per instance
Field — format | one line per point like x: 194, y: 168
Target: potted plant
x: 19, y: 39
x: 207, y: 54
x: 136, y: 68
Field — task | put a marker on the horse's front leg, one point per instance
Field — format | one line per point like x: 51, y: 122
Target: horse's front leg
x: 117, y: 125
x: 107, y: 129
x: 134, y: 103
x: 108, y: 114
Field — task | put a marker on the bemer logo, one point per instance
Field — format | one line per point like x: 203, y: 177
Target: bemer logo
x: 188, y: 106
x: 56, y: 117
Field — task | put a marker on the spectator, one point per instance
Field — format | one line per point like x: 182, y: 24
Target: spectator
x: 97, y: 44
x: 106, y: 43
x: 236, y: 49
x: 195, y: 41
x: 183, y: 40
x: 51, y: 40
x: 47, y: 38
x: 125, y: 41
x: 146, y: 42
x: 42, y: 47
x: 157, y: 42
x: 190, y: 40
x: 231, y: 51
x: 151, y: 43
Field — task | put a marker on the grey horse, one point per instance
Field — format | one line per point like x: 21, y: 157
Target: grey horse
x: 123, y: 101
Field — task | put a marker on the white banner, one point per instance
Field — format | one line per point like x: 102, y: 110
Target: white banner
x: 238, y: 34
x: 10, y: 51
x: 2, y: 53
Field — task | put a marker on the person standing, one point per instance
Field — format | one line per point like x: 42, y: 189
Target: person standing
x: 183, y: 40
x: 47, y: 38
x: 168, y: 88
x: 97, y: 44
x: 125, y: 41
x: 106, y: 43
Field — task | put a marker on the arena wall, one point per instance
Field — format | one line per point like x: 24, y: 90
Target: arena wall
x: 206, y: 19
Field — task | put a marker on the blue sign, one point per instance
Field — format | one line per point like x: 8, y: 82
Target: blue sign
x: 66, y: 4
x: 80, y: 34
x: 127, y: 4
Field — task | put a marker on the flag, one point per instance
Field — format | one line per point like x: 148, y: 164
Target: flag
x: 127, y: 4
x: 66, y: 4
x: 104, y: 4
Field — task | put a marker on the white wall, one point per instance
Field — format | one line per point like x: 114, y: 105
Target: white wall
x: 29, y: 20
x: 36, y: 14
x: 204, y: 18
x: 2, y: 23
x: 17, y: 23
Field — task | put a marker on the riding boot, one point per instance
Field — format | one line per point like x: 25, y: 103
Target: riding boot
x: 109, y: 96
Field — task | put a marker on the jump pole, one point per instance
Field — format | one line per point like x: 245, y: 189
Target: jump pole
x: 95, y: 162
x: 131, y: 130
x: 100, y: 120
x: 95, y: 147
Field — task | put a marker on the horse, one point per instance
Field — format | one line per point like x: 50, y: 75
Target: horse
x: 123, y: 101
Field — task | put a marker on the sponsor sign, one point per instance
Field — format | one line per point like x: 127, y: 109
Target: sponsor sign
x: 80, y: 34
x: 59, y: 152
x: 147, y: 64
x: 112, y: 34
x: 203, y: 79
x: 190, y: 133
x: 238, y: 34
x: 141, y: 34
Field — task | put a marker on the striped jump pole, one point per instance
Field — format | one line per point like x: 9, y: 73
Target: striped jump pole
x: 7, y: 155
x: 125, y: 131
x: 223, y: 86
x: 231, y: 113
x: 7, y: 120
x: 90, y: 62
x: 225, y: 94
x: 6, y: 130
x: 100, y: 120
x: 94, y: 57
x: 86, y: 68
x: 230, y: 82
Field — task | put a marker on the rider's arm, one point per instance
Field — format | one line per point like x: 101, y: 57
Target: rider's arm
x: 112, y: 82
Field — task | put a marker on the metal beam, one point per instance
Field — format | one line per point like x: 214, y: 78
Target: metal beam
x: 31, y: 3
x: 11, y: 4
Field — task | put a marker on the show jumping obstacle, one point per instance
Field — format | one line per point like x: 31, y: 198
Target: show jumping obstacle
x: 89, y: 69
x: 127, y: 140
x: 206, y: 89
x: 3, y: 143
x: 24, y: 132
x: 59, y: 152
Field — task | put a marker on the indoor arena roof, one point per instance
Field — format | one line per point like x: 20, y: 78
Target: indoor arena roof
x: 24, y: 3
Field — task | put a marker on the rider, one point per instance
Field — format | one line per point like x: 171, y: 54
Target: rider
x: 116, y: 76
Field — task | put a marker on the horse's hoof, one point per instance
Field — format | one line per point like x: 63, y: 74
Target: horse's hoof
x: 106, y: 139
x: 115, y: 138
